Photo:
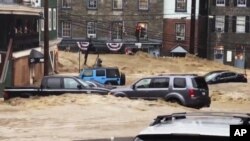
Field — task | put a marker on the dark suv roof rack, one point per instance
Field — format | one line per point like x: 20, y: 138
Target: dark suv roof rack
x: 180, y: 74
x: 245, y: 117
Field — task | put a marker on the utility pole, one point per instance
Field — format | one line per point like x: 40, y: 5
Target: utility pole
x: 46, y: 38
x: 192, y: 28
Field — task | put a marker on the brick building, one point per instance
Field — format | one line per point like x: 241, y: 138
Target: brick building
x: 111, y: 21
x: 228, y: 32
x: 176, y: 27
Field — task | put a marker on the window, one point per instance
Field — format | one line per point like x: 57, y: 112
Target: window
x: 88, y: 73
x: 54, y: 19
x: 219, y: 23
x: 143, y: 4
x: 181, y: 6
x: 91, y: 29
x: 53, y: 83
x: 66, y: 3
x: 160, y: 83
x: 50, y: 19
x: 70, y: 83
x: 100, y: 72
x: 66, y: 29
x: 180, y: 31
x: 220, y: 2
x: 143, y: 29
x: 117, y: 29
x: 144, y: 83
x: 112, y: 73
x: 241, y: 3
x: 92, y: 4
x: 42, y: 24
x: 117, y: 4
x: 179, y: 83
x: 240, y: 24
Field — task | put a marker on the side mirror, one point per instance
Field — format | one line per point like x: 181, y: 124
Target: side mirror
x: 133, y: 87
x: 79, y: 86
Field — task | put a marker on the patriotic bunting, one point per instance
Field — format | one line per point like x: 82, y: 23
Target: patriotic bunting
x: 114, y: 46
x: 83, y: 45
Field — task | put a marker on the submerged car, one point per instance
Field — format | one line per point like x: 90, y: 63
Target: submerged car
x: 224, y: 76
x: 186, y: 89
x: 193, y: 126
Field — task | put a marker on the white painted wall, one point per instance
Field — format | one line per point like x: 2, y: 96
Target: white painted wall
x: 169, y: 10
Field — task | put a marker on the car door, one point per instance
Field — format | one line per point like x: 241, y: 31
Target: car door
x: 100, y: 76
x: 140, y: 89
x: 53, y: 86
x: 70, y: 85
x: 159, y: 87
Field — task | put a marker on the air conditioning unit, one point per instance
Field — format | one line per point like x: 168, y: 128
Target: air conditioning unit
x: 218, y: 30
x: 180, y: 38
x: 91, y: 35
x: 36, y: 3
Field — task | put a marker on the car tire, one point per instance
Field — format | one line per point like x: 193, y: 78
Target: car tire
x: 175, y: 100
x: 123, y: 79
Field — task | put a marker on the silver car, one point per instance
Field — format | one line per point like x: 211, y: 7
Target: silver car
x: 207, y: 126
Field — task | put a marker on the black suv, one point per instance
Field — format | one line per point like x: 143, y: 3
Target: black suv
x: 186, y: 89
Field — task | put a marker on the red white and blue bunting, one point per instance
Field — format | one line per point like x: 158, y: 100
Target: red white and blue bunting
x: 83, y: 45
x: 114, y: 46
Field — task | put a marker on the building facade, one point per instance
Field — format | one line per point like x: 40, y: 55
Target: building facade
x: 228, y: 32
x: 177, y: 26
x: 22, y: 41
x: 111, y: 23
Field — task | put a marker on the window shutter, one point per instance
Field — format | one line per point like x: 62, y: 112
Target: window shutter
x: 226, y: 23
x: 212, y: 24
x: 247, y: 24
x: 234, y: 23
x: 248, y: 3
x: 227, y: 2
x: 235, y: 3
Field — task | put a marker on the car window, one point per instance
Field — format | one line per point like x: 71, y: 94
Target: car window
x: 159, y: 83
x: 199, y: 82
x: 54, y: 83
x: 70, y: 83
x: 100, y: 72
x: 112, y: 73
x: 144, y: 83
x: 88, y: 73
x: 180, y: 83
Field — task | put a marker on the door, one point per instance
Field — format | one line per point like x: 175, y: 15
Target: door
x: 140, y: 89
x: 159, y: 87
x: 100, y: 76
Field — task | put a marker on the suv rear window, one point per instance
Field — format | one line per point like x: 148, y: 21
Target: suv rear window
x: 112, y: 73
x: 199, y: 82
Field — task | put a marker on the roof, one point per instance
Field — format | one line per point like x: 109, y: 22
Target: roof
x: 100, y: 68
x: 15, y: 9
x: 198, y: 124
x: 178, y: 49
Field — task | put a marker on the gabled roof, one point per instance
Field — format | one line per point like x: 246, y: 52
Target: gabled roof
x: 178, y: 49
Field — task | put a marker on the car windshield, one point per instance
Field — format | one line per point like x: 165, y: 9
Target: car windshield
x: 95, y: 83
x: 210, y: 76
x: 84, y: 83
